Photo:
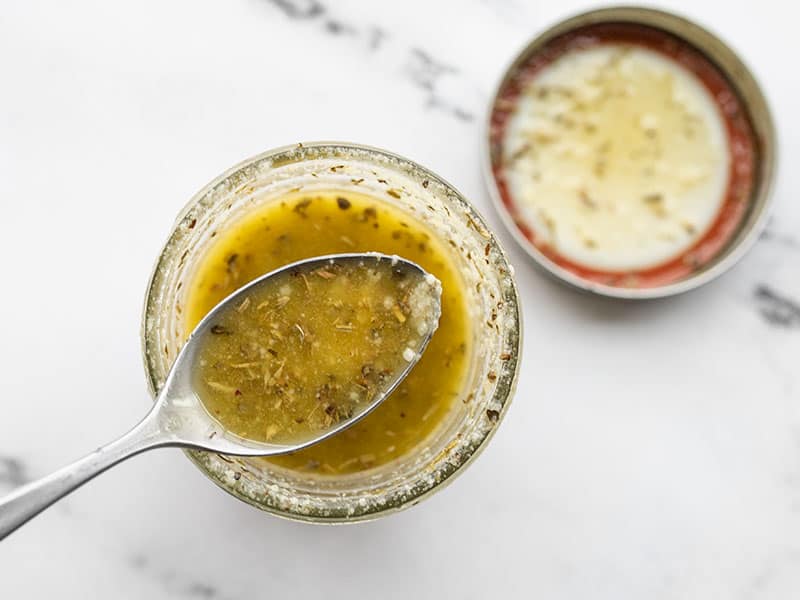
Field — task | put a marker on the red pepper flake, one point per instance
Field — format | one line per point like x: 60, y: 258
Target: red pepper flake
x: 193, y: 223
x: 237, y: 392
x: 491, y: 376
x: 505, y: 356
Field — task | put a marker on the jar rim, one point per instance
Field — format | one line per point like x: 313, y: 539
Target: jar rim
x: 507, y: 374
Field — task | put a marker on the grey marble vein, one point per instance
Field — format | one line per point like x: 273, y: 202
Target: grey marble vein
x: 376, y: 37
x: 773, y: 567
x: 770, y: 234
x: 12, y: 472
x: 177, y: 584
x: 299, y: 9
x: 312, y: 10
x: 426, y: 73
x: 421, y: 69
x: 777, y: 309
x: 339, y: 28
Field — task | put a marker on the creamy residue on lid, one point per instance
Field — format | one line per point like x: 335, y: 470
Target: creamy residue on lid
x: 617, y: 157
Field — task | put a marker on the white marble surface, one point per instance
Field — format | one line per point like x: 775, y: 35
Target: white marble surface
x: 652, y: 451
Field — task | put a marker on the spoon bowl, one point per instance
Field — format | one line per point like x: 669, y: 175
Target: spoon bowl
x: 179, y: 418
x: 179, y: 406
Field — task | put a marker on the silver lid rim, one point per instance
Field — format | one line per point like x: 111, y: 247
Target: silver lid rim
x: 766, y: 137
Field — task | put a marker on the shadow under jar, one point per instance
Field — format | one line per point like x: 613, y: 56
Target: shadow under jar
x: 492, y: 320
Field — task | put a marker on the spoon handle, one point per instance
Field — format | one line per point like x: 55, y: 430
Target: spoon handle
x: 29, y: 500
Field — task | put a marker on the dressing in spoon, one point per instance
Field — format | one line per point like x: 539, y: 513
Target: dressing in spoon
x: 286, y: 361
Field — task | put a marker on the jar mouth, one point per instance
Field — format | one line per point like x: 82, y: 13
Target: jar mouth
x: 494, y: 299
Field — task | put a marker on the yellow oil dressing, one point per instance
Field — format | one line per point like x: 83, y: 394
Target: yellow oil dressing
x: 302, y: 226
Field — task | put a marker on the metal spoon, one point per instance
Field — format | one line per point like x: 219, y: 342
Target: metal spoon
x: 178, y: 418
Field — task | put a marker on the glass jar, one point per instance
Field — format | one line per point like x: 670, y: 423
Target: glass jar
x: 490, y: 292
